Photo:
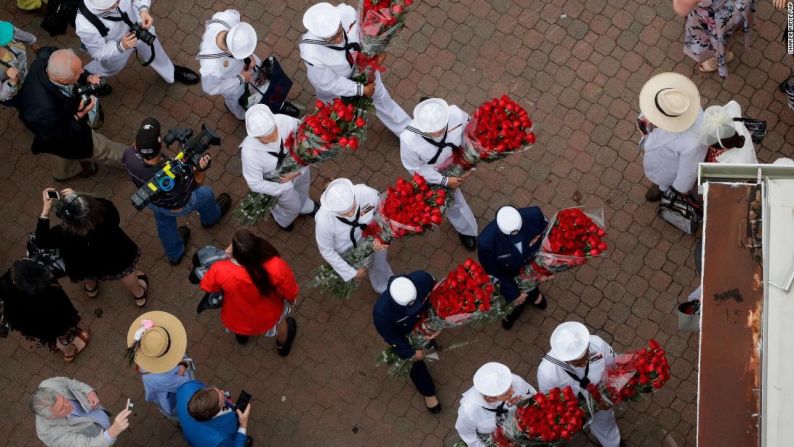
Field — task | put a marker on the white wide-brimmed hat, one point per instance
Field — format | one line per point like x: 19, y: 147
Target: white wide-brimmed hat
x: 338, y: 196
x: 100, y: 4
x: 241, y: 40
x: 431, y: 115
x: 569, y: 341
x: 508, y: 219
x: 161, y: 341
x: 402, y: 291
x: 493, y: 379
x: 259, y: 121
x: 322, y: 20
x: 670, y: 101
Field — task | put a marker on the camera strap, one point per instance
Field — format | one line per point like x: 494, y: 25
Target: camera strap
x: 126, y: 19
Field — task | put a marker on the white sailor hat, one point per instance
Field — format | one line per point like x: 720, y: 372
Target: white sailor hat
x: 508, y: 219
x: 569, y: 341
x: 493, y: 379
x: 431, y: 115
x: 338, y: 196
x: 322, y: 20
x: 402, y: 291
x: 259, y: 121
x: 241, y: 40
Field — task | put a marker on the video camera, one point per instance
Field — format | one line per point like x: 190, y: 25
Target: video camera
x: 142, y: 34
x: 181, y: 167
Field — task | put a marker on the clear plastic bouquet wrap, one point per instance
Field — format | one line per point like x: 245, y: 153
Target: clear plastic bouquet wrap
x: 574, y: 235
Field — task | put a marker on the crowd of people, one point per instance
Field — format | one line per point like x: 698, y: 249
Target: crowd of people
x: 58, y: 101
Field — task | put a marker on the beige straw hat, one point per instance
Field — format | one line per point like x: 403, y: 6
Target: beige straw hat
x: 670, y: 101
x: 161, y: 341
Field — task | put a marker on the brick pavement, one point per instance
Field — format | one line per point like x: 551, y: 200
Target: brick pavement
x: 580, y: 63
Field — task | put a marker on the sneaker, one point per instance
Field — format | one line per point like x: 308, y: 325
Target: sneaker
x: 184, y: 234
x: 225, y: 204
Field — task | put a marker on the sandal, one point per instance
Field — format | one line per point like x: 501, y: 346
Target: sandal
x: 710, y: 65
x: 144, y: 282
x: 91, y: 293
x: 84, y: 337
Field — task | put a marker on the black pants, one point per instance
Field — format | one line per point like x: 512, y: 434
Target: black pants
x: 532, y: 295
x: 420, y: 376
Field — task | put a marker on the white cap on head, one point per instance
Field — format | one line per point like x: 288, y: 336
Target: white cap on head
x: 241, y: 40
x: 508, y: 219
x: 259, y: 121
x: 322, y: 20
x: 431, y: 115
x: 493, y: 379
x: 338, y: 196
x: 569, y: 341
x: 402, y: 291
x: 100, y: 4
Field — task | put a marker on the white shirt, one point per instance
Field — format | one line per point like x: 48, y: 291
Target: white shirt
x: 474, y: 416
x: 259, y: 163
x: 416, y: 153
x: 333, y: 236
x: 220, y: 71
x: 551, y: 375
x: 328, y: 70
x: 105, y: 48
x: 671, y: 159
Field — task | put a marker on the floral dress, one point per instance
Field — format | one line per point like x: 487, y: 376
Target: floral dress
x: 710, y: 25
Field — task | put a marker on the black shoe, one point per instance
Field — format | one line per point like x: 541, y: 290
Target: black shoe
x: 292, y: 331
x: 622, y: 444
x: 242, y: 339
x: 289, y: 109
x: 654, y: 194
x: 542, y: 304
x: 436, y: 409
x: 225, y: 204
x: 316, y: 208
x: 470, y: 242
x: 510, y: 319
x: 184, y: 234
x: 424, y: 98
x: 186, y: 76
x: 783, y: 86
x: 288, y: 228
x: 89, y: 168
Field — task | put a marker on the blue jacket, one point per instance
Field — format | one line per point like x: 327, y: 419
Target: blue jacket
x: 500, y: 257
x: 394, y: 322
x: 216, y: 432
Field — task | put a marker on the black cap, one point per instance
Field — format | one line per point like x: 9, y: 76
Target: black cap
x: 148, y: 141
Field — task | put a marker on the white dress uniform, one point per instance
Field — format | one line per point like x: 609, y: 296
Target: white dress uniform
x: 420, y: 156
x: 108, y: 56
x: 261, y: 161
x: 551, y: 374
x: 220, y: 70
x: 329, y: 69
x: 477, y: 417
x: 336, y: 234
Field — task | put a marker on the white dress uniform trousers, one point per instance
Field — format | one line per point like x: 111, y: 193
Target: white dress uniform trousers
x: 550, y: 375
x: 220, y: 71
x: 108, y: 57
x: 334, y: 238
x: 261, y: 161
x: 329, y: 71
x: 477, y: 417
x: 420, y: 156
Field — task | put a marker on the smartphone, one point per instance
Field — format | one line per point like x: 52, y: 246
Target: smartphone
x: 129, y: 404
x: 53, y: 194
x: 242, y: 401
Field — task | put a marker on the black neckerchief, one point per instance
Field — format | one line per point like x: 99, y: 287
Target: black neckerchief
x: 353, y: 225
x: 280, y: 155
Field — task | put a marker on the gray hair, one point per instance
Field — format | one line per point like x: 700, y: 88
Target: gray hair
x: 59, y: 65
x: 42, y: 401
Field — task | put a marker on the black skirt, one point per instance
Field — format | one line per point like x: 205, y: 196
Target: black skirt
x: 44, y: 317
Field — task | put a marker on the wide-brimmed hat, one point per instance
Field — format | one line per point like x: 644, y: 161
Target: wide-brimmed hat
x: 670, y: 101
x: 161, y: 341
x: 569, y: 341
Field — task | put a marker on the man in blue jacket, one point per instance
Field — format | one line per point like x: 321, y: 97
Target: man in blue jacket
x: 506, y: 245
x: 396, y: 312
x: 208, y: 418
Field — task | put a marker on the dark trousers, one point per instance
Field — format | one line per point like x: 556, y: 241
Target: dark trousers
x: 420, y: 376
x: 532, y: 295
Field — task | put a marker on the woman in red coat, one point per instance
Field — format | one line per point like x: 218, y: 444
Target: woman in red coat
x: 258, y: 288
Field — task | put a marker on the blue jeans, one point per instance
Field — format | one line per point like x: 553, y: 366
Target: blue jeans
x: 201, y: 200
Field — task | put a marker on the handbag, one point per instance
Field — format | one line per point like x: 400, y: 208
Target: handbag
x: 202, y: 261
x: 269, y: 86
x: 50, y: 258
x: 680, y: 213
x: 757, y: 128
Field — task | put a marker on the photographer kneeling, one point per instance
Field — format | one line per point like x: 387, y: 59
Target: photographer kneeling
x: 187, y: 194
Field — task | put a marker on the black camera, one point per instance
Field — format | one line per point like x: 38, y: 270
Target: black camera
x: 85, y: 91
x: 142, y: 34
x: 180, y: 168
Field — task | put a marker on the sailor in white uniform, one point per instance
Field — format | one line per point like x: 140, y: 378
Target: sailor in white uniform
x: 345, y: 210
x: 577, y: 359
x: 262, y: 154
x: 104, y: 28
x: 226, y: 43
x: 428, y: 143
x: 328, y: 50
x: 485, y: 406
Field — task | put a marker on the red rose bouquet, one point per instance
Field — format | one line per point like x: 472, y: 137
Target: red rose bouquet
x: 328, y: 132
x: 642, y: 372
x: 544, y: 420
x: 573, y: 237
x: 531, y: 275
x: 380, y: 20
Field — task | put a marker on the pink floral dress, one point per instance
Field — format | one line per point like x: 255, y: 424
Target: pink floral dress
x: 710, y: 25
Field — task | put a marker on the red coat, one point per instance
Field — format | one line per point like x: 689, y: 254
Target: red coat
x: 245, y: 311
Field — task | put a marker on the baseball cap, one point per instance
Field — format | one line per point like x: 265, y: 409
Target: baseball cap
x: 148, y: 141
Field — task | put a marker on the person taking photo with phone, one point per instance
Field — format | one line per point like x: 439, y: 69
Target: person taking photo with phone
x: 209, y: 418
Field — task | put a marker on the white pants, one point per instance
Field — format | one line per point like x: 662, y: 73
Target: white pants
x: 605, y: 428
x: 461, y: 216
x: 232, y: 99
x: 294, y: 201
x: 379, y: 271
x: 388, y: 111
x: 162, y: 63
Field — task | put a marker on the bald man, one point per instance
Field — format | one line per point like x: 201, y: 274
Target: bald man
x: 58, y: 118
